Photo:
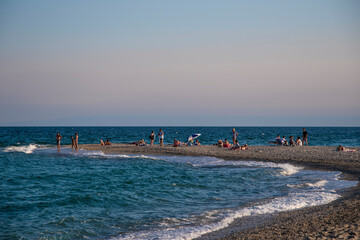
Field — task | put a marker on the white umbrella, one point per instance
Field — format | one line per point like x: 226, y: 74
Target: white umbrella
x: 191, y: 137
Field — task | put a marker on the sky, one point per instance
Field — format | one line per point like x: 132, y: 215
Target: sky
x: 179, y: 63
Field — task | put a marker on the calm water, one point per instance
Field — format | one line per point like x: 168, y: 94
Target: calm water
x: 47, y: 194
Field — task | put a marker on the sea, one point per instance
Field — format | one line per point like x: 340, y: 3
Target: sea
x: 48, y: 193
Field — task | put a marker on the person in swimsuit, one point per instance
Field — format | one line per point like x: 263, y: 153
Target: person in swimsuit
x: 76, y: 141
x: 236, y: 146
x: 73, y: 143
x: 298, y: 142
x: 305, y: 136
x: 161, y: 137
x: 102, y: 142
x: 284, y: 141
x: 234, y: 135
x: 197, y: 143
x: 341, y: 148
x: 291, y: 141
x: 58, y: 138
x: 226, y: 144
x: 152, y: 138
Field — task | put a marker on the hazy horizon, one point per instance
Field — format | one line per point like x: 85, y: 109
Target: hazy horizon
x: 180, y: 63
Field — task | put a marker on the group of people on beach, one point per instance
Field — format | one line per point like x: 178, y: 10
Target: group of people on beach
x: 107, y: 142
x: 74, y: 141
x: 220, y: 143
x: 283, y: 142
x: 232, y: 146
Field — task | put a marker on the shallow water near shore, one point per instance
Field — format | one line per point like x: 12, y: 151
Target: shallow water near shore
x: 91, y: 195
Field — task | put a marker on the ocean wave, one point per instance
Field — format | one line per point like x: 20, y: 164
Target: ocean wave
x: 25, y: 149
x: 285, y: 168
x: 317, y: 184
x: 291, y: 202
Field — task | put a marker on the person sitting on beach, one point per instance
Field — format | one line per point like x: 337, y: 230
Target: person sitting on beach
x: 176, y: 143
x: 298, y: 142
x: 226, y: 144
x: 107, y: 142
x: 284, y: 141
x: 236, y: 146
x: 277, y: 141
x: 140, y: 143
x: 341, y: 148
x: 291, y: 141
x: 102, y: 142
x: 220, y: 143
x: 244, y: 147
x: 197, y: 143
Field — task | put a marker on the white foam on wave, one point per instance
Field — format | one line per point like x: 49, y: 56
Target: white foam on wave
x: 285, y: 168
x: 291, y: 202
x: 25, y: 149
x: 317, y: 184
x: 97, y: 154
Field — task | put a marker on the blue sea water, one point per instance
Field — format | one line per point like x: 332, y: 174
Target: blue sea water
x: 46, y: 194
x: 318, y: 136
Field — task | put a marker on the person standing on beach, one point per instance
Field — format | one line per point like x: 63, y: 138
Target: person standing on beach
x: 76, y: 141
x: 305, y: 136
x: 72, y: 143
x: 234, y: 135
x: 161, y: 137
x: 152, y: 138
x: 58, y: 138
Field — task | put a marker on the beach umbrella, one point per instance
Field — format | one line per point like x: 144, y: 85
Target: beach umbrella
x: 193, y: 136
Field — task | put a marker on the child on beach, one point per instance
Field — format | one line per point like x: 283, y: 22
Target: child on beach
x: 197, y: 143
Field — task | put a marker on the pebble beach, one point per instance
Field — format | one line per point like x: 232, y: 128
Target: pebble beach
x: 339, y: 219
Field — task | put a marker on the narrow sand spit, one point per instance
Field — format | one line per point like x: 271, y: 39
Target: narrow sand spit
x: 337, y: 220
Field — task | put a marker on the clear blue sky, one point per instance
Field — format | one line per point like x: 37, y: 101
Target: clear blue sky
x: 240, y: 63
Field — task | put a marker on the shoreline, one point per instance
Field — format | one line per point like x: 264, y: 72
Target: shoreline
x: 338, y: 219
